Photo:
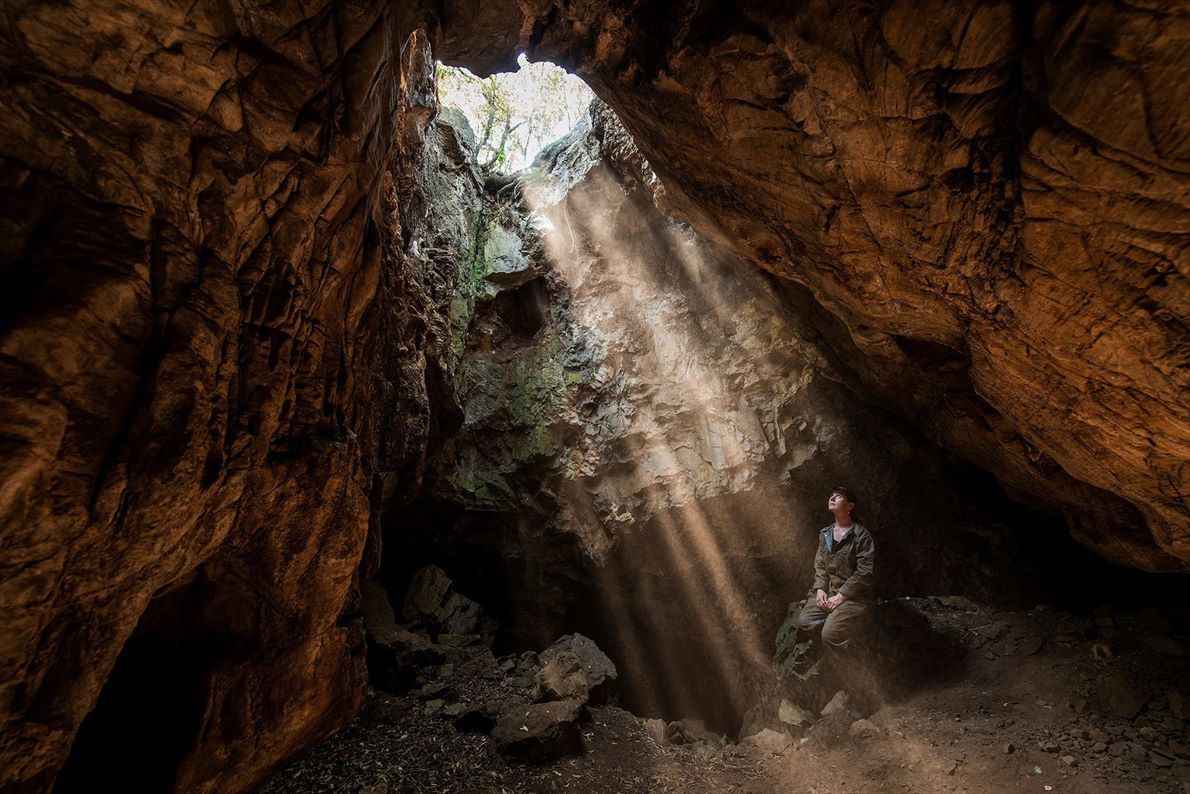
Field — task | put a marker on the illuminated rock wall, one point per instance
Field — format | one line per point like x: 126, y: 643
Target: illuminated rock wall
x: 985, y: 203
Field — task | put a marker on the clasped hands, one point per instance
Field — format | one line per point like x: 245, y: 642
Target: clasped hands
x: 828, y: 602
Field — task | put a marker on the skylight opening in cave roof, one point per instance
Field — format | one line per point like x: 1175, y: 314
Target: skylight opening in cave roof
x: 515, y: 114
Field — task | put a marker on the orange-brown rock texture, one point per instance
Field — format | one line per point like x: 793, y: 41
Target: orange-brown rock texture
x: 221, y: 332
x: 193, y: 358
x: 986, y: 201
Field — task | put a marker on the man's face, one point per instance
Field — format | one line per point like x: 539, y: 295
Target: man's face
x: 837, y: 501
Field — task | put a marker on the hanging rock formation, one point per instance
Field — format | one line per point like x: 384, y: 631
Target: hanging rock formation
x: 984, y: 202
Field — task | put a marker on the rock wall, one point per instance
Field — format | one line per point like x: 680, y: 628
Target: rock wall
x: 985, y: 202
x: 215, y: 330
x: 648, y: 438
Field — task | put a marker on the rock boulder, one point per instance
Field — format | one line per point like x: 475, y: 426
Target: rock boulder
x: 598, y: 670
x: 431, y: 601
x: 540, y: 732
x: 561, y: 678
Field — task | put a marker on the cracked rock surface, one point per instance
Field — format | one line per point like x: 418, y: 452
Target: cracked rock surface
x: 201, y: 222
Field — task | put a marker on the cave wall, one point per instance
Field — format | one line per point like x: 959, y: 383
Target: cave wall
x: 999, y: 185
x: 209, y: 301
x: 647, y: 439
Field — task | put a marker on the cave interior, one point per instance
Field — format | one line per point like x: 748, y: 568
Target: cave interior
x: 514, y: 403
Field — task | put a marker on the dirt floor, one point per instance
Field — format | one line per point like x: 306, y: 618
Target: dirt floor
x: 1025, y: 721
x: 1044, y: 701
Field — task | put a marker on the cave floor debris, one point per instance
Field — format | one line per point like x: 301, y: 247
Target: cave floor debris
x: 394, y: 747
x: 1047, y: 702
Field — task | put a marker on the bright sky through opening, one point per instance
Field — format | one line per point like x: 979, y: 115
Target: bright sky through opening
x: 515, y: 114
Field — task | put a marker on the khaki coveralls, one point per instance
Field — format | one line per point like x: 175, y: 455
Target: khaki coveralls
x: 848, y: 568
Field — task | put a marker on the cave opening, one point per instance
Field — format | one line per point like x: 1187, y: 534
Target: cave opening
x: 513, y: 115
x: 151, y: 708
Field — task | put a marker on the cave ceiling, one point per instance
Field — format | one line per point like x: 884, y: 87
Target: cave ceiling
x: 983, y: 204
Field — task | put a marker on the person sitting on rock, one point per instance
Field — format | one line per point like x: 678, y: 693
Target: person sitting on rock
x: 844, y: 578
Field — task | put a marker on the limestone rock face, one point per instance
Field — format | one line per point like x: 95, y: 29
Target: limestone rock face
x: 984, y: 201
x: 214, y: 359
x: 615, y: 364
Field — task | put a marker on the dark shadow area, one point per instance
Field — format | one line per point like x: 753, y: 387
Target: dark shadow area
x: 932, y: 357
x: 523, y: 310
x: 510, y: 321
x: 150, y: 710
x: 521, y: 577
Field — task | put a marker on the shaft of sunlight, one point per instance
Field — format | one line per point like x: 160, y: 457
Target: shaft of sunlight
x: 677, y: 311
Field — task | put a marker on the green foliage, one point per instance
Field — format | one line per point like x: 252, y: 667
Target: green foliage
x: 514, y: 114
x: 471, y: 275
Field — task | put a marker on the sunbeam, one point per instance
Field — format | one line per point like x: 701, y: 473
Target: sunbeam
x: 690, y: 435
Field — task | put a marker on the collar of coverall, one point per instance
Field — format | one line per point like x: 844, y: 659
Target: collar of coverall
x: 851, y: 531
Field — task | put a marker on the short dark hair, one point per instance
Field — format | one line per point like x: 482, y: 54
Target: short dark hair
x: 848, y: 494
